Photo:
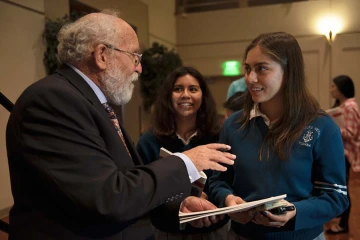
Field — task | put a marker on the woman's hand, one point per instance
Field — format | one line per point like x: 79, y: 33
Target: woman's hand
x: 241, y: 217
x: 272, y: 220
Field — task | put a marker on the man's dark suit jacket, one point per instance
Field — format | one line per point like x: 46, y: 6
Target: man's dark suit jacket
x: 71, y: 175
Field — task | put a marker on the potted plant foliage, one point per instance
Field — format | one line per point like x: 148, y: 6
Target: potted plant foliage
x: 157, y: 62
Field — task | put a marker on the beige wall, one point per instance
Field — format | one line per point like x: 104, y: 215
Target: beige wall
x: 21, y: 60
x: 205, y: 40
x: 55, y: 9
x: 162, y: 25
x: 37, y: 5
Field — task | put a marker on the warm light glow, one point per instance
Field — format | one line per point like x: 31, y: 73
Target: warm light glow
x: 329, y: 23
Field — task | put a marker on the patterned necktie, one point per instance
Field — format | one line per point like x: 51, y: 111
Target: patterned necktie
x: 114, y: 120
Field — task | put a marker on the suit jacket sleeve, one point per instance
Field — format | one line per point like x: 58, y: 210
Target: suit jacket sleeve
x: 66, y: 140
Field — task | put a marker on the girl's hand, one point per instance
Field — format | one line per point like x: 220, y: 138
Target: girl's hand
x: 268, y: 219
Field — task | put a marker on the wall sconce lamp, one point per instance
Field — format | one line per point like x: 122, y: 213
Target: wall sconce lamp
x: 329, y: 26
x: 330, y: 37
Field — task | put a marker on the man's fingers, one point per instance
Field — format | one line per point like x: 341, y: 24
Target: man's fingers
x: 218, y: 146
x: 217, y: 167
x: 207, y: 205
x: 215, y: 219
x: 204, y: 195
x: 197, y: 223
x: 229, y: 156
x: 185, y: 210
x: 226, y: 158
x: 239, y: 200
x: 184, y: 205
x: 206, y: 222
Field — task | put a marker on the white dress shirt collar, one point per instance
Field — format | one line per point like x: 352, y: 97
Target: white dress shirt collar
x: 93, y: 86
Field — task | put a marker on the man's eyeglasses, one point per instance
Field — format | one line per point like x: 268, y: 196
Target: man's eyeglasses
x: 136, y: 56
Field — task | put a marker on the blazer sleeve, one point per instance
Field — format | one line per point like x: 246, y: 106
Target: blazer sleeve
x: 58, y: 135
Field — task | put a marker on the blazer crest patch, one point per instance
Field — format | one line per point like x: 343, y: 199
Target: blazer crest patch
x: 310, y: 133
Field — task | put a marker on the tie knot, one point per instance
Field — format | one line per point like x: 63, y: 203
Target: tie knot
x: 109, y: 110
x: 107, y: 107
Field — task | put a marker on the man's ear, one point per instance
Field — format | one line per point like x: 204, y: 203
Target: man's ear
x: 101, y: 58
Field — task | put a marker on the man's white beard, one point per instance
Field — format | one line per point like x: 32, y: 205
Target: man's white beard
x: 116, y: 88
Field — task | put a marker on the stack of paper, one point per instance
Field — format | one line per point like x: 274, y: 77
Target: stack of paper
x: 266, y: 203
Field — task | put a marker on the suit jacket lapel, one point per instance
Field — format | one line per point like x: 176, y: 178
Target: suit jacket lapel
x: 78, y: 82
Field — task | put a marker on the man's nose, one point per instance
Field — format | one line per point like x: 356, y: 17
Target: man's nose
x: 138, y: 68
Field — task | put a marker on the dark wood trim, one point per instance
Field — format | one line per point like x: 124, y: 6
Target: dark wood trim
x: 23, y: 7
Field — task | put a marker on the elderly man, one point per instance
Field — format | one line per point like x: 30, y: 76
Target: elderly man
x: 74, y: 171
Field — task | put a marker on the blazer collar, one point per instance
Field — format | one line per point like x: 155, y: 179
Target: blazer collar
x: 78, y: 82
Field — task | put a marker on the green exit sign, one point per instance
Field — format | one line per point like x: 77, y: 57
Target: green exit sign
x: 231, y: 68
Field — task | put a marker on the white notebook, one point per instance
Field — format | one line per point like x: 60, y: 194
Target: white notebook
x: 264, y: 204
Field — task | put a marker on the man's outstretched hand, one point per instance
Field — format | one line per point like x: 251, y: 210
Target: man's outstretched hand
x: 209, y: 157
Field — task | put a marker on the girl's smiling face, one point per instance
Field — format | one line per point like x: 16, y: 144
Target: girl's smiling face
x: 186, y: 96
x: 263, y: 77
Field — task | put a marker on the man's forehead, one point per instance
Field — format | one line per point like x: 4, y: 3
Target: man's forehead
x: 128, y: 38
x: 124, y: 27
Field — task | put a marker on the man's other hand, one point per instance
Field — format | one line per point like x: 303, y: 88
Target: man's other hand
x: 196, y: 204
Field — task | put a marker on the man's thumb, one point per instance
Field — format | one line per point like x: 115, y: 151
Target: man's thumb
x: 239, y: 201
